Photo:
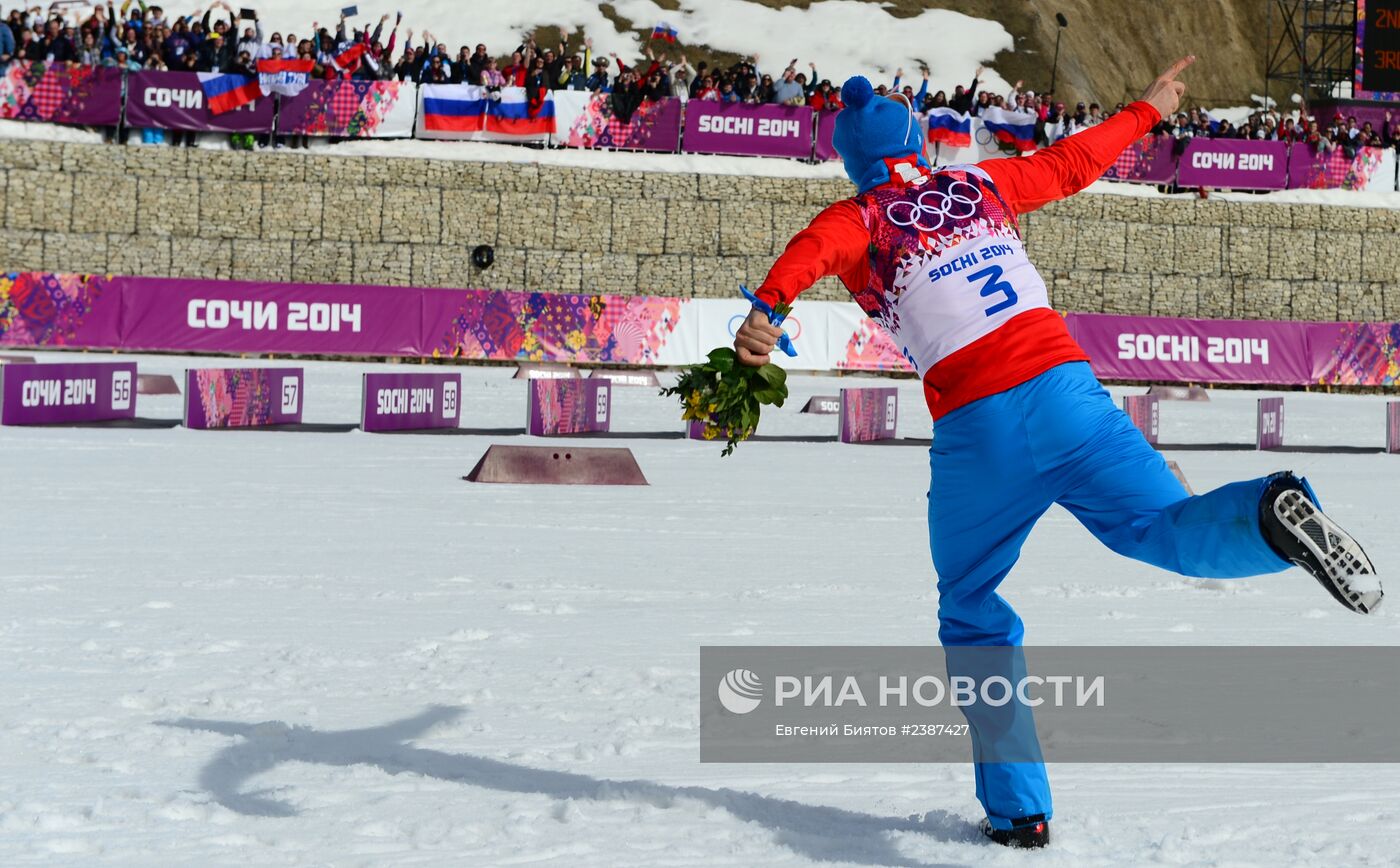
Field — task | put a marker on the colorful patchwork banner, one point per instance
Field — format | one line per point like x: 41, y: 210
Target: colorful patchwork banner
x: 61, y: 93
x: 568, y: 407
x: 350, y: 109
x: 587, y: 121
x: 859, y: 344
x: 1354, y: 353
x: 176, y: 101
x: 1142, y: 411
x: 1149, y: 160
x: 1269, y: 428
x: 411, y: 402
x: 56, y: 394
x: 868, y: 414
x: 41, y: 309
x: 242, y: 397
x: 553, y: 327
x: 1365, y: 169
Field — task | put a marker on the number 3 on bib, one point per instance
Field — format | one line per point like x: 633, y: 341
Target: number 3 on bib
x: 994, y: 285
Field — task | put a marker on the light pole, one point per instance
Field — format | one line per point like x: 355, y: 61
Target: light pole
x: 1055, y: 68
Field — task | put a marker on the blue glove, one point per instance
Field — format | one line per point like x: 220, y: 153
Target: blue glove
x: 784, y: 342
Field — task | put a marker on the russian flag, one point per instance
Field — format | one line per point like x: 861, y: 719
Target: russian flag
x: 664, y: 32
x: 451, y: 108
x: 288, y: 77
x: 513, y: 115
x: 224, y: 92
x: 949, y: 127
x: 1012, y: 127
x: 348, y: 59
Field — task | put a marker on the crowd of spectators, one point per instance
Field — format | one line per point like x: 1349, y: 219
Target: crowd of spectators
x: 139, y: 36
x: 1336, y: 132
x: 220, y: 38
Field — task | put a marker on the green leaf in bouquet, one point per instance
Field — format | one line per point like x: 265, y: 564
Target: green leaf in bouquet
x: 772, y: 375
x: 722, y: 359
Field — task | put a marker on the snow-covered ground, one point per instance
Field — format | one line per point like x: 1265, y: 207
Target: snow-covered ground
x: 272, y: 648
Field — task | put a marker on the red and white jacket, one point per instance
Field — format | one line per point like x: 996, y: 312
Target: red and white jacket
x: 936, y: 258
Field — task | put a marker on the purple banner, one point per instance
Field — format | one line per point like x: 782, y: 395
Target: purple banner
x: 242, y: 397
x: 747, y: 130
x: 350, y: 108
x: 826, y: 129
x: 175, y: 101
x: 1142, y: 410
x: 40, y: 309
x: 46, y: 310
x: 654, y: 126
x: 61, y: 93
x: 568, y: 407
x: 411, y: 402
x: 868, y: 414
x: 1269, y: 430
x: 55, y: 394
x: 1392, y: 427
x: 1149, y: 160
x: 1236, y: 164
x: 231, y: 316
x: 1194, y: 350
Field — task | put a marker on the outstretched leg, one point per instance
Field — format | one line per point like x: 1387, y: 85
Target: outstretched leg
x: 1120, y: 488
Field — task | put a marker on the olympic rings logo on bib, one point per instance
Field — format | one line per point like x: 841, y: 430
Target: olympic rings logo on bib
x: 936, y: 205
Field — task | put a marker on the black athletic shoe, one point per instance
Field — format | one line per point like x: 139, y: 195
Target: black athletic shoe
x: 1027, y: 833
x: 1301, y: 534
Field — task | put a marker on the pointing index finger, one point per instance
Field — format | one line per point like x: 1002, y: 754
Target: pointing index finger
x: 1179, y: 67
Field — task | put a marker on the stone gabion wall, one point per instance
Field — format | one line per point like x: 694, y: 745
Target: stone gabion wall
x: 293, y: 216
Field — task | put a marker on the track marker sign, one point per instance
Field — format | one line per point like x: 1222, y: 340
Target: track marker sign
x: 1142, y: 410
x: 67, y: 393
x: 411, y: 402
x: 242, y: 397
x: 867, y: 415
x: 822, y: 405
x: 1269, y: 430
x: 568, y: 407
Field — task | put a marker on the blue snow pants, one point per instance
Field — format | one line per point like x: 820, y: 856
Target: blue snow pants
x: 998, y: 463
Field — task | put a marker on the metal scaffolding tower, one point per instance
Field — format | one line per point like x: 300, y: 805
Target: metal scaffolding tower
x: 1312, y: 48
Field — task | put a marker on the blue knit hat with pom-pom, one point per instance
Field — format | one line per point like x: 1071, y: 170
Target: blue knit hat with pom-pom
x: 871, y: 129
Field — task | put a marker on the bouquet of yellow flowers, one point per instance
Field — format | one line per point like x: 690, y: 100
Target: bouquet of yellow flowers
x: 726, y: 396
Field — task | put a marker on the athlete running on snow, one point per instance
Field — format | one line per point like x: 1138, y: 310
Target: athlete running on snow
x: 1020, y: 422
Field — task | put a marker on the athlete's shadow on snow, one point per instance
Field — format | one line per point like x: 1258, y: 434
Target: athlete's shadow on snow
x: 815, y: 831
